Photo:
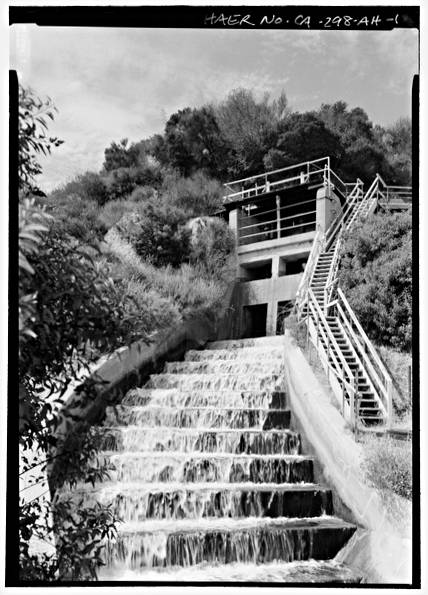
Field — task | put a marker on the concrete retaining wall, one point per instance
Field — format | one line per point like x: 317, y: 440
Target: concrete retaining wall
x: 382, y: 548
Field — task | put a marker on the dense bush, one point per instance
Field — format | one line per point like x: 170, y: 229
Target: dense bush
x: 376, y: 275
x: 159, y: 235
x: 181, y: 291
x: 212, y: 245
x: 197, y: 195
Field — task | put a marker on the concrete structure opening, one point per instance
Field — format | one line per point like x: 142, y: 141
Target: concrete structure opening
x: 254, y: 271
x: 254, y: 321
x: 284, y: 310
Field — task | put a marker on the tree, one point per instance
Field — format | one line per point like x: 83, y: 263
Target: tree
x: 396, y: 141
x: 250, y: 128
x: 350, y: 125
x: 70, y: 312
x: 303, y: 137
x: 363, y: 156
x: 193, y: 142
x: 159, y: 235
x: 120, y: 155
x: 33, y: 138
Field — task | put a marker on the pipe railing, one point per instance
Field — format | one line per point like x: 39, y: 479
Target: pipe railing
x: 337, y: 225
x: 373, y: 364
x: 398, y: 193
x: 333, y: 181
x: 302, y: 290
x: 332, y: 352
x: 299, y: 173
x: 331, y: 280
x: 368, y: 200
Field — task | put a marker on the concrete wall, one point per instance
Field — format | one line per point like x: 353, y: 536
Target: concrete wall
x: 382, y: 548
x: 270, y: 291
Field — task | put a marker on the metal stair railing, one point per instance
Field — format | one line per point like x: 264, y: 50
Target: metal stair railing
x: 305, y: 281
x: 267, y: 181
x: 331, y: 280
x: 400, y: 193
x: 378, y: 375
x: 367, y: 204
x: 338, y: 223
x: 343, y: 381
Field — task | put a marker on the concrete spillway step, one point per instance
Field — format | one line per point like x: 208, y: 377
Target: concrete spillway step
x: 259, y: 342
x: 244, y: 354
x: 256, y: 541
x: 206, y: 475
x: 250, y: 366
x: 200, y: 467
x: 327, y: 572
x: 190, y: 417
x: 249, y: 441
x: 223, y: 399
x: 137, y: 502
x: 250, y: 381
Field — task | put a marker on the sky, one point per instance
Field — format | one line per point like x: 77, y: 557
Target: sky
x: 110, y: 84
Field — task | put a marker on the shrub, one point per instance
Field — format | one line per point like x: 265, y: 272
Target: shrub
x: 197, y: 195
x: 76, y: 216
x: 183, y: 288
x: 213, y: 244
x: 113, y: 211
x: 159, y: 236
x: 388, y: 465
x: 398, y: 362
x: 376, y: 274
x: 123, y: 181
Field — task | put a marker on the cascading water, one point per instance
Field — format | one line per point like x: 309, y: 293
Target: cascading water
x: 209, y: 480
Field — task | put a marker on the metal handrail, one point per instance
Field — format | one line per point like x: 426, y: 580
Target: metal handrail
x: 302, y: 290
x: 338, y: 223
x: 256, y: 190
x: 332, y: 338
x: 400, y: 192
x: 332, y: 273
x: 274, y: 230
x: 373, y: 378
x: 386, y: 384
x: 282, y: 169
x: 348, y: 382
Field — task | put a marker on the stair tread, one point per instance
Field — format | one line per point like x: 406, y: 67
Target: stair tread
x: 209, y: 486
x: 306, y: 571
x: 158, y: 429
x: 230, y: 525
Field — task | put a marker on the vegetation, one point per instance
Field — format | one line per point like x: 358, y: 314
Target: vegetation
x: 129, y: 250
x: 376, y: 274
x: 387, y: 465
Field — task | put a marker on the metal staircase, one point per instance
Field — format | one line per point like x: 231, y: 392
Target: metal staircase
x: 355, y: 371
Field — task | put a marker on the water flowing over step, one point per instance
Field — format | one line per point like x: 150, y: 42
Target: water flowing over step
x: 209, y: 480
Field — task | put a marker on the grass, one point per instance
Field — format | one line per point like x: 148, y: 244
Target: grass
x: 176, y: 292
x: 398, y: 362
x: 388, y: 465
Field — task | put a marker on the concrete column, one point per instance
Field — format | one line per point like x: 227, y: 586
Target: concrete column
x: 233, y: 221
x: 328, y: 207
x: 278, y: 267
x: 272, y: 311
x: 275, y: 266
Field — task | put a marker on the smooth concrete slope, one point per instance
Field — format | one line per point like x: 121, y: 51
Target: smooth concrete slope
x: 382, y: 549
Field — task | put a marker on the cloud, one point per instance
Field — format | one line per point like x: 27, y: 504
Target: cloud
x: 114, y: 83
